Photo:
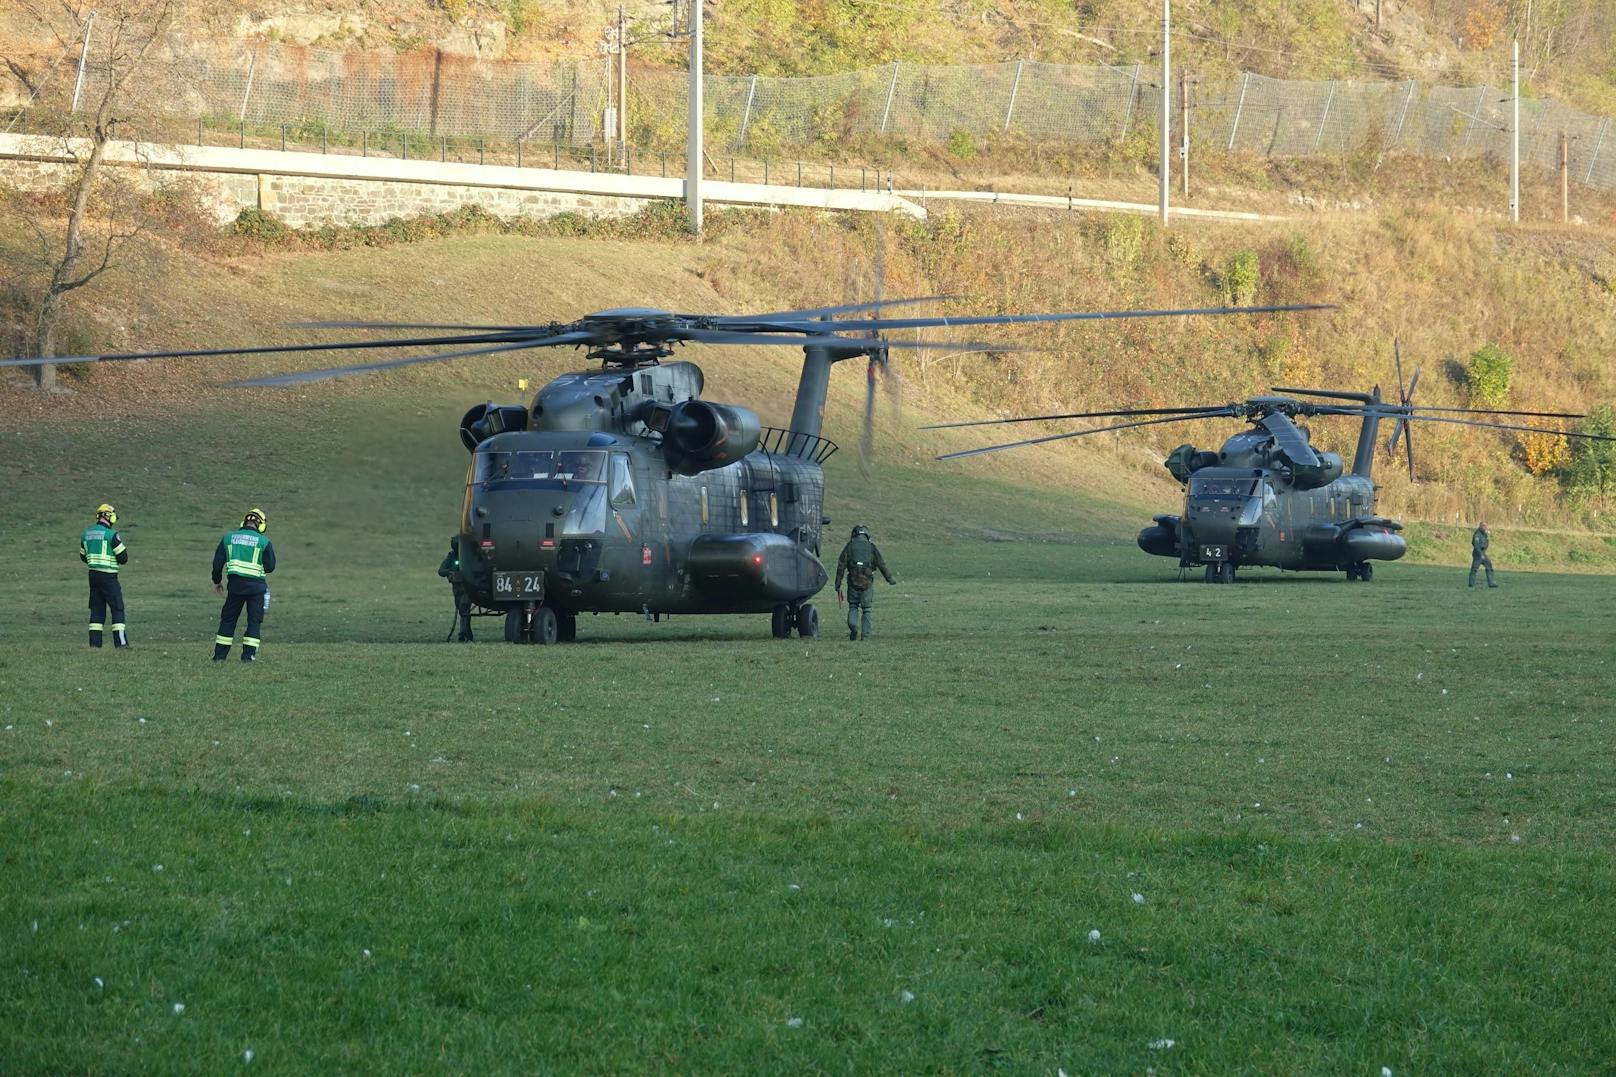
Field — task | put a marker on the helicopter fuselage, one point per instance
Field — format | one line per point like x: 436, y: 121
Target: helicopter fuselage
x: 1249, y: 516
x: 598, y: 523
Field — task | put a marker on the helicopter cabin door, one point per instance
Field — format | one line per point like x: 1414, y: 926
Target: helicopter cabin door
x: 759, y: 494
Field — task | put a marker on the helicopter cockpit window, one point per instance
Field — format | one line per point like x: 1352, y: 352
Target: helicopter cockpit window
x: 495, y: 466
x: 622, y: 484
x: 586, y: 514
x: 1222, y: 488
x: 581, y: 466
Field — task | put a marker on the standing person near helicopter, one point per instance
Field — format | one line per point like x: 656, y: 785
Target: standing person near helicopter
x: 103, y: 551
x: 859, y: 562
x: 245, y: 556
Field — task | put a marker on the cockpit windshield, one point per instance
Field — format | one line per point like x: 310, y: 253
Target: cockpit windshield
x: 573, y: 466
x: 1222, y: 488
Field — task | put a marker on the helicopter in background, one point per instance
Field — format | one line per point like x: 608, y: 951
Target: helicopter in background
x: 621, y: 489
x: 1268, y: 497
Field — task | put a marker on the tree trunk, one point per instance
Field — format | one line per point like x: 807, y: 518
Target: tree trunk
x: 63, y: 277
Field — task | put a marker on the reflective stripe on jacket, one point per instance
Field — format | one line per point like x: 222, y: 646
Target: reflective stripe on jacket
x: 100, y: 547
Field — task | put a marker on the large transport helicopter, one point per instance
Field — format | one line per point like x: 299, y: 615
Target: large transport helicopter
x: 1268, y: 497
x: 621, y: 490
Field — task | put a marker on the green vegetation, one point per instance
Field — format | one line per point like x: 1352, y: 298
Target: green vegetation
x: 377, y: 851
x: 1488, y: 375
x: 1242, y: 276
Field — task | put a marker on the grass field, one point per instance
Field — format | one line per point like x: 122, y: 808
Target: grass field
x: 1317, y: 827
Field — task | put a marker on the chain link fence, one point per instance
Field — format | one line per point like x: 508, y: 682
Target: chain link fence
x: 433, y: 95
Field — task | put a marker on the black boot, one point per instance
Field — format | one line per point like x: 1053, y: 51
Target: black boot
x: 221, y: 651
x: 465, y: 630
x: 249, y: 654
x: 95, y: 637
x: 120, y: 637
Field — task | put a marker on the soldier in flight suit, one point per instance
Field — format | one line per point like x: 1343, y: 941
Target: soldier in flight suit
x: 1478, y: 554
x: 246, y: 557
x: 859, y: 562
x: 103, y: 551
x: 449, y: 569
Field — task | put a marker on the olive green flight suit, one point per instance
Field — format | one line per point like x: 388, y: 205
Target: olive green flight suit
x: 859, y: 562
x: 1479, y: 558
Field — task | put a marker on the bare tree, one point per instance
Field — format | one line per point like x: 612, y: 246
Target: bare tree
x: 101, y: 209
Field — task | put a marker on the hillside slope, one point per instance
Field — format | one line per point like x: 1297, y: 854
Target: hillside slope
x: 1446, y: 285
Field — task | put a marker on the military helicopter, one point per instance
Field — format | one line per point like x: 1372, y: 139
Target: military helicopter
x: 1268, y: 497
x: 622, y: 490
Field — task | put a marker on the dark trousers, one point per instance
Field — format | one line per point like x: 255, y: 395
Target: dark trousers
x: 230, y: 614
x: 1481, y: 560
x: 106, y: 598
x: 860, y: 601
x: 462, y: 601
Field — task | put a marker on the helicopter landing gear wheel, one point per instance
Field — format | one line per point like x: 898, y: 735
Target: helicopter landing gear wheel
x: 516, y: 627
x: 566, y: 627
x: 807, y: 621
x: 1363, y: 572
x: 1221, y: 572
x: 544, y: 627
x: 780, y: 622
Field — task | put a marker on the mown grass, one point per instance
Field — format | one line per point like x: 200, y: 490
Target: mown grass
x: 1368, y: 825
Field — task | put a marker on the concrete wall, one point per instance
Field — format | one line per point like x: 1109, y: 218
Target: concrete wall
x: 312, y: 189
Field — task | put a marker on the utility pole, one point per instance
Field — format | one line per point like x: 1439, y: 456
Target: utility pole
x: 1166, y: 105
x: 693, y: 150
x: 84, y: 56
x: 1184, y: 129
x: 1377, y: 14
x: 622, y: 87
x: 1515, y: 140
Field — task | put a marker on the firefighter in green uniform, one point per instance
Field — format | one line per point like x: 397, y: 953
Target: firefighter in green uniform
x: 245, y: 557
x: 1478, y: 554
x: 859, y: 562
x: 449, y: 569
x: 103, y: 551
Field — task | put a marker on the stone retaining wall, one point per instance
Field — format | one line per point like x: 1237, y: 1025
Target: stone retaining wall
x: 311, y: 189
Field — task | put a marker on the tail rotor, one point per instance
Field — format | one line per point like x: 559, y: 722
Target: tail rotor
x: 1401, y: 430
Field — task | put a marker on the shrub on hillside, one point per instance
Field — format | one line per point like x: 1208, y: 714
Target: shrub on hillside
x: 961, y: 145
x: 1487, y: 375
x: 1591, y: 473
x: 1124, y: 239
x: 1242, y: 276
x: 254, y: 223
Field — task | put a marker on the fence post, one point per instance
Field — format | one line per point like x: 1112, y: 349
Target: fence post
x: 241, y: 135
x: 1015, y: 88
x: 519, y: 153
x: 1133, y: 91
x: 364, y: 144
x: 765, y: 171
x: 1481, y: 95
x: 892, y: 89
x: 283, y: 138
x: 199, y: 130
x: 1239, y: 108
x: 1595, y: 159
x: 1402, y: 117
x: 252, y: 69
x: 746, y: 117
x: 1318, y: 138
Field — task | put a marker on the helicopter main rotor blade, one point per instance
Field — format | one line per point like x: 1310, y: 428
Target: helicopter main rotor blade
x: 270, y: 349
x: 1408, y: 447
x: 1496, y: 411
x: 420, y: 325
x: 824, y: 312
x: 1221, y: 409
x: 1225, y: 413
x: 1071, y: 316
x: 853, y: 344
x: 1511, y: 426
x: 300, y: 377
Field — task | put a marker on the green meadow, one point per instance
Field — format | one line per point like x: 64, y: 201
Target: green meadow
x: 1065, y: 812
